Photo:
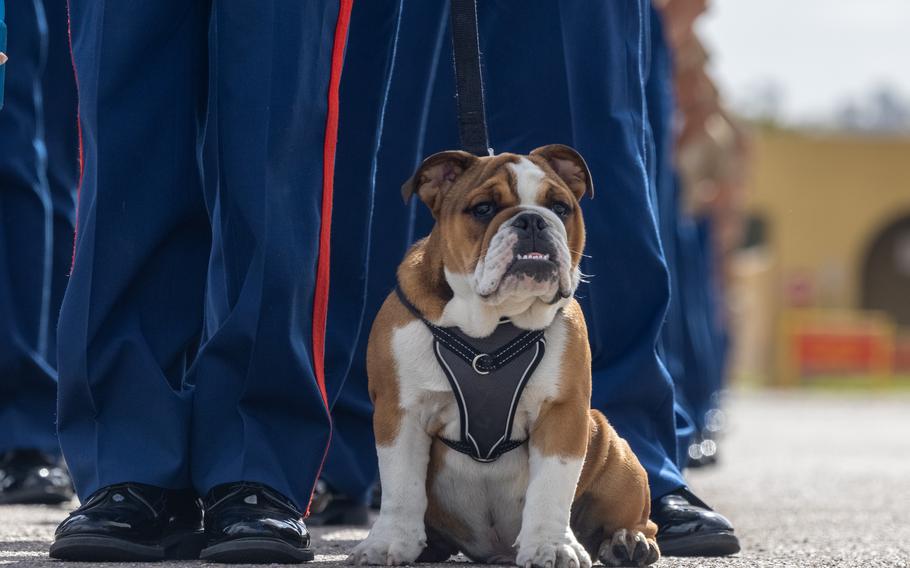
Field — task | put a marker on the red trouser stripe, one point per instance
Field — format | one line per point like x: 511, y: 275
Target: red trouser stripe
x: 69, y: 27
x: 321, y: 300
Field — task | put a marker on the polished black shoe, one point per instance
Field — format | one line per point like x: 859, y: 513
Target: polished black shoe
x: 686, y: 526
x: 329, y: 507
x: 250, y: 523
x: 31, y: 477
x: 132, y: 522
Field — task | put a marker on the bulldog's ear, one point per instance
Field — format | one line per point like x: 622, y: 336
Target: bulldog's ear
x: 570, y: 166
x: 436, y: 175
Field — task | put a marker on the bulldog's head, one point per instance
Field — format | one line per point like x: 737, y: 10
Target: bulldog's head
x: 509, y: 227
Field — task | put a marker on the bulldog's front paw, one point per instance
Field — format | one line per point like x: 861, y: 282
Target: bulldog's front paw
x: 629, y: 548
x: 562, y: 553
x: 387, y: 550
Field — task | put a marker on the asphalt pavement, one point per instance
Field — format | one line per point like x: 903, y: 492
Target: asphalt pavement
x: 814, y: 480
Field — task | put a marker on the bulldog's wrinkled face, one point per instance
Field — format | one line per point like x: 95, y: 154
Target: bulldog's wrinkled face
x: 511, y: 227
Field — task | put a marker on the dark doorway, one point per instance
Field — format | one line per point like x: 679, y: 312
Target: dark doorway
x: 886, y: 272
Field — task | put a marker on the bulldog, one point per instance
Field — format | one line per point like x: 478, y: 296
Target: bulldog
x: 480, y: 373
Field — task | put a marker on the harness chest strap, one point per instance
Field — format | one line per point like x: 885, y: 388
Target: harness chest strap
x: 487, y: 376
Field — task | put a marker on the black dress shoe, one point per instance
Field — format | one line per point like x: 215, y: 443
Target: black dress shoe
x: 31, y: 477
x: 686, y: 526
x: 330, y: 507
x: 131, y: 522
x: 251, y: 523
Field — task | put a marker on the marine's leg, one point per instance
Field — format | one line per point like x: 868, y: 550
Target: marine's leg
x: 27, y: 377
x: 132, y: 311
x: 133, y: 308
x: 261, y: 422
x: 38, y: 167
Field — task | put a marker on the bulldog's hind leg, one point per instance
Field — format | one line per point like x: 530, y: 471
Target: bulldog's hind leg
x: 613, y: 502
x: 629, y: 548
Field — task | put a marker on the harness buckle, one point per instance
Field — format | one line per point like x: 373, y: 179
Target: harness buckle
x: 474, y: 364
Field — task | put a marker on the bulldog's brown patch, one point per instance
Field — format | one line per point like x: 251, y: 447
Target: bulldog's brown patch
x: 613, y: 490
x: 462, y: 236
x: 562, y: 426
x: 457, y: 240
x: 383, y: 370
x: 558, y: 190
x: 422, y: 277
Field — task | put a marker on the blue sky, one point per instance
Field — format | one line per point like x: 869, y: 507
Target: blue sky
x: 820, y: 52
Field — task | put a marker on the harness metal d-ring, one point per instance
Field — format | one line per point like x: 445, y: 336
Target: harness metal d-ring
x: 474, y: 364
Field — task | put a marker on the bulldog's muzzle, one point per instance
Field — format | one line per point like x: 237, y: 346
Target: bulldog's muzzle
x: 527, y: 257
x: 534, y: 254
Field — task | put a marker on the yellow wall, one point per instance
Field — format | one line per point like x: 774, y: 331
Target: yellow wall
x: 825, y: 198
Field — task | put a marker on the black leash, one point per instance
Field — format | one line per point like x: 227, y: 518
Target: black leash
x: 472, y: 119
x: 483, y: 363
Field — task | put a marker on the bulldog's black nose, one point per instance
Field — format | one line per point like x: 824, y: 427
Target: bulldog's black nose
x: 531, y: 223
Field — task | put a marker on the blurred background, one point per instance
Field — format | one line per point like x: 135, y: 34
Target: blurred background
x: 803, y: 169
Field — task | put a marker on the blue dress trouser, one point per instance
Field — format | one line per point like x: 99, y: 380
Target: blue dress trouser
x: 704, y: 349
x: 187, y: 355
x: 674, y: 339
x: 565, y: 72
x: 39, y: 168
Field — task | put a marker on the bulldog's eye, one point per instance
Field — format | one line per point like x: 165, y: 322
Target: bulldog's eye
x: 484, y: 210
x: 560, y: 208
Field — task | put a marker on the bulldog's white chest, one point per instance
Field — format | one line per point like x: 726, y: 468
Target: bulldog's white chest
x: 487, y: 497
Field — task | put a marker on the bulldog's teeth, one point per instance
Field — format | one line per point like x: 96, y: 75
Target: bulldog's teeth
x: 533, y: 256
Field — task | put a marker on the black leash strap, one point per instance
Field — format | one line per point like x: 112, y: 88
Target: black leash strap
x: 472, y: 119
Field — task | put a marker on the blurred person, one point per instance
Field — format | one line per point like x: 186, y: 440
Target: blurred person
x: 703, y: 135
x: 711, y: 163
x: 416, y: 118
x: 728, y: 209
x: 679, y: 17
x: 39, y: 170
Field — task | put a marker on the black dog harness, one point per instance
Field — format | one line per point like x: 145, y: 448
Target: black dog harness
x: 487, y: 376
